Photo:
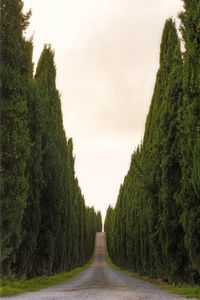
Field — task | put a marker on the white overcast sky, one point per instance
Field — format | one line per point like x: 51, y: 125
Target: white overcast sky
x: 107, y: 56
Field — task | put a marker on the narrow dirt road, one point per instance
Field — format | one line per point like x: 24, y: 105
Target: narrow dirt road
x: 100, y: 281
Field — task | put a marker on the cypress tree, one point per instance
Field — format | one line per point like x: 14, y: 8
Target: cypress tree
x: 99, y: 222
x: 15, y: 143
x: 189, y: 196
x: 131, y: 222
x: 70, y: 229
x: 109, y: 229
x: 120, y: 226
x: 171, y: 231
x: 91, y: 230
x: 31, y: 219
x: 81, y: 228
x: 154, y: 144
x: 51, y: 195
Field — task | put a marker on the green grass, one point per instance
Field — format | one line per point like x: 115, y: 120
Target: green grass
x: 14, y: 287
x: 185, y: 290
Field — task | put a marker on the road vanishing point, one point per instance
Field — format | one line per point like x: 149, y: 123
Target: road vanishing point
x: 100, y: 281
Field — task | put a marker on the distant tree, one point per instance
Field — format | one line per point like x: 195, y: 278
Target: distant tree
x: 99, y: 222
x: 91, y: 229
x: 108, y: 228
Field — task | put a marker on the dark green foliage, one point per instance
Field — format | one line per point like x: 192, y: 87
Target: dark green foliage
x: 189, y: 196
x: 52, y: 162
x: 15, y: 142
x: 109, y: 229
x: 99, y: 222
x: 154, y: 227
x: 46, y: 227
x: 90, y: 229
x: 32, y: 216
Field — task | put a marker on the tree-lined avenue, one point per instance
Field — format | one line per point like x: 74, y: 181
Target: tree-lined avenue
x: 100, y: 281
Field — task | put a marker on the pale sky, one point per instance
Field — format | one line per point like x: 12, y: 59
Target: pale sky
x: 107, y: 56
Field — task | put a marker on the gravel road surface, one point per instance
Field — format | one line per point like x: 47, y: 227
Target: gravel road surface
x: 100, y: 281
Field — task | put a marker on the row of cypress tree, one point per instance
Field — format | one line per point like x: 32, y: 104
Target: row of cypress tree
x: 45, y: 225
x: 154, y: 229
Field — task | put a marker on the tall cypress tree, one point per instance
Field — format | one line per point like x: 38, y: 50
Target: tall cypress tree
x: 51, y: 194
x: 31, y: 219
x: 16, y: 69
x: 154, y: 144
x: 171, y: 231
x: 189, y: 195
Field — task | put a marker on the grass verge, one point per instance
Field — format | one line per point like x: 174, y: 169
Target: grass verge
x: 14, y: 287
x: 185, y: 290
